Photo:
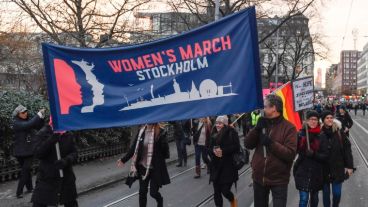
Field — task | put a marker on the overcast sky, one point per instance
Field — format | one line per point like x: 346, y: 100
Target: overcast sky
x: 336, y: 23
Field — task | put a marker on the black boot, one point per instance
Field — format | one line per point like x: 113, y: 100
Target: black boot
x: 160, y: 202
x: 198, y: 172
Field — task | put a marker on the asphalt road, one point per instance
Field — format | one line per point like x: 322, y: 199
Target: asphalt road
x: 184, y: 191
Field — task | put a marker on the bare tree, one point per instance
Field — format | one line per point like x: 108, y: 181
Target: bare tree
x: 268, y: 56
x: 20, y: 55
x: 204, y: 9
x: 292, y: 44
x: 81, y: 22
x: 299, y: 51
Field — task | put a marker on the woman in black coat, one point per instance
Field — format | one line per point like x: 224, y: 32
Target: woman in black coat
x: 308, y: 167
x: 151, y: 139
x: 339, y: 165
x: 344, y: 117
x: 51, y: 189
x: 24, y: 130
x: 223, y: 172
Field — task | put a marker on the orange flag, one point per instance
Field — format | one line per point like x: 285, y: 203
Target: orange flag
x: 286, y: 94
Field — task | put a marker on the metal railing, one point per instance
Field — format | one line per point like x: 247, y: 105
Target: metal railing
x: 9, y: 168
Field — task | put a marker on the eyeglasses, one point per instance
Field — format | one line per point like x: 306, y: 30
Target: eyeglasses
x: 313, y: 119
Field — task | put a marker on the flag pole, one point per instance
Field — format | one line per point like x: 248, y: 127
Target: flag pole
x: 264, y: 132
x: 273, y: 92
x: 306, y: 129
x: 241, y: 115
x: 57, y: 146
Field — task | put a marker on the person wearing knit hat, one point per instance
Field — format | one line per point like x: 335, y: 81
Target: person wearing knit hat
x: 346, y: 121
x: 339, y: 165
x: 223, y: 119
x: 326, y: 113
x: 223, y: 172
x: 312, y: 113
x: 24, y: 128
x: 308, y: 168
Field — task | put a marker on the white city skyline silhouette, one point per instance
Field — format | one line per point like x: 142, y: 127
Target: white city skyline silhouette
x: 208, y: 89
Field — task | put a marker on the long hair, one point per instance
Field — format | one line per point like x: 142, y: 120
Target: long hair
x: 157, y: 130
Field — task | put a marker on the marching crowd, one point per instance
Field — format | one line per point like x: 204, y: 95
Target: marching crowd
x: 319, y: 156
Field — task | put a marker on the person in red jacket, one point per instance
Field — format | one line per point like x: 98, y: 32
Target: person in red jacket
x: 274, y: 141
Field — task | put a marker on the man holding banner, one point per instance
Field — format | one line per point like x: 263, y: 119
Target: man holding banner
x: 271, y: 168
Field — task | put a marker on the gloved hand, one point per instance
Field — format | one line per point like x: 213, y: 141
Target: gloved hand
x: 60, y: 164
x: 265, y: 140
x: 41, y: 113
x: 262, y: 123
x: 309, y: 153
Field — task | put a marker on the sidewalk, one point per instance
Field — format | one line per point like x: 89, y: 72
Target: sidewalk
x: 90, y: 176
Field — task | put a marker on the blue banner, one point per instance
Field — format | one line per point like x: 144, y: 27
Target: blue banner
x: 212, y: 70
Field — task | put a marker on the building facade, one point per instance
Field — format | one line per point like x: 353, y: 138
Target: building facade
x: 362, y: 83
x: 318, y: 79
x: 290, y: 49
x: 349, y: 66
x: 337, y: 81
x: 329, y: 78
x: 161, y: 24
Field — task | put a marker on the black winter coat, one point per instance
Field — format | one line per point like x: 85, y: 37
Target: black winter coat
x: 24, y: 130
x: 308, y: 171
x: 49, y: 184
x: 179, y: 133
x: 161, y: 152
x: 345, y: 120
x: 222, y: 168
x: 340, y: 155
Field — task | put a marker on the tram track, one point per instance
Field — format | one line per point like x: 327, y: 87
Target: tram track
x: 359, y: 151
x: 354, y: 140
x: 210, y: 197
x: 115, y: 203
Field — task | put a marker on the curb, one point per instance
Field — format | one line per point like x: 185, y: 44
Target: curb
x: 100, y: 186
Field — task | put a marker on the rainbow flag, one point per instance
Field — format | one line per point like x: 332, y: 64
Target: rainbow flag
x: 286, y: 94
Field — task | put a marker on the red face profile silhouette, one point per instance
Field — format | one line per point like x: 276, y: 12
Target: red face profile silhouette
x: 68, y: 88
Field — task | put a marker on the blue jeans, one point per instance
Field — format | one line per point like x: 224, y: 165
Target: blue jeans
x: 304, y: 196
x: 182, y: 150
x: 336, y: 194
x: 201, y: 150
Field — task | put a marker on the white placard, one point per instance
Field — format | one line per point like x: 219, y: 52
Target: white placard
x: 303, y: 93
